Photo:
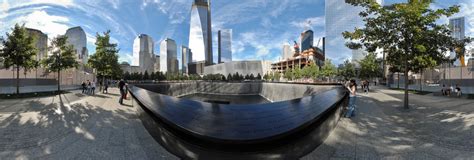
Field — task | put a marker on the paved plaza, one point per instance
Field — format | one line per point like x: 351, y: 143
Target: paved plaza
x: 434, y: 128
x: 75, y: 126
x: 78, y: 126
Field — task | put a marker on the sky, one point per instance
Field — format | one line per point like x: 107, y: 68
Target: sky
x: 260, y: 27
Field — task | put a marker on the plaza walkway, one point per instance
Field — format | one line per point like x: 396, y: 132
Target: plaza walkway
x: 74, y: 126
x: 434, y: 128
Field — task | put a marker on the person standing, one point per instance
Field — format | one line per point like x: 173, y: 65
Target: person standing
x: 106, y: 86
x: 83, y: 84
x: 93, y: 88
x: 352, y: 98
x: 458, y: 90
x: 121, y: 85
x: 88, y: 87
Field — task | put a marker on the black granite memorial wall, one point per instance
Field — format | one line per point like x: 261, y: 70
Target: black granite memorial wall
x: 287, y: 129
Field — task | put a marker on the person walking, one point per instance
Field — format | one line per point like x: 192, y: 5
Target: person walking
x: 121, y: 85
x: 352, y: 98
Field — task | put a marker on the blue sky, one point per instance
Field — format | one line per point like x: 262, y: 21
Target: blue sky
x: 260, y: 27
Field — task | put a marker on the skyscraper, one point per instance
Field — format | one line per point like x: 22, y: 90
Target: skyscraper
x: 286, y: 51
x: 224, y: 38
x: 157, y: 63
x: 186, y: 58
x: 200, y: 34
x: 168, y: 56
x: 41, y: 43
x: 458, y: 32
x: 306, y: 40
x: 143, y: 53
x: 77, y: 38
x: 340, y: 17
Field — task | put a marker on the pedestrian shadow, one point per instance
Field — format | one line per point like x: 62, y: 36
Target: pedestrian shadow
x: 383, y: 125
x: 50, y: 130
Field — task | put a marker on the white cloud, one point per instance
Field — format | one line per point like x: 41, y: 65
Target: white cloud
x: 90, y: 39
x: 41, y: 20
x: 115, y: 3
x: 4, y: 7
x: 64, y: 3
x: 309, y: 22
x: 125, y: 57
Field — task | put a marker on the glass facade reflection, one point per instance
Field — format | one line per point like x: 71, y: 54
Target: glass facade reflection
x: 200, y: 34
x: 168, y: 56
x: 143, y: 53
x: 77, y: 38
x: 225, y: 45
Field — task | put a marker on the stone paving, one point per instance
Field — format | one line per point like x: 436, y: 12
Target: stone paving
x: 433, y: 128
x: 74, y: 126
x: 78, y: 126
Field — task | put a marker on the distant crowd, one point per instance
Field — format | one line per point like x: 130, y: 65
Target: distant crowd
x: 449, y: 91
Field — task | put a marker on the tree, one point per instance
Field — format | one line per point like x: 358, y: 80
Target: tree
x: 105, y: 59
x: 266, y: 77
x: 328, y: 70
x: 369, y: 67
x: 276, y: 76
x: 313, y: 70
x: 297, y: 73
x: 127, y: 76
x: 404, y: 31
x: 146, y: 76
x: 288, y: 74
x: 18, y: 51
x: 247, y: 76
x: 259, y: 77
x: 229, y: 77
x: 62, y: 57
x: 347, y: 70
x: 152, y: 76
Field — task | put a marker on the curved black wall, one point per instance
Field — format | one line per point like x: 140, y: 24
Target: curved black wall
x: 282, y: 130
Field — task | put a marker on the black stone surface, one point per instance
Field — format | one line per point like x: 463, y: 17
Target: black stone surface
x: 237, y: 124
x: 226, y: 99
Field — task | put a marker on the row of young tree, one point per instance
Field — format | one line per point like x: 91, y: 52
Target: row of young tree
x: 370, y: 67
x: 19, y: 52
x: 159, y: 76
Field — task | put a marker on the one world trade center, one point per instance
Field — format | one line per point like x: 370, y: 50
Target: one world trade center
x: 200, y: 34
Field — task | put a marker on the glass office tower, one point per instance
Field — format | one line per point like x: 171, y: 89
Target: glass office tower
x: 224, y: 38
x: 200, y: 34
x: 143, y: 53
x: 77, y: 38
x: 168, y: 56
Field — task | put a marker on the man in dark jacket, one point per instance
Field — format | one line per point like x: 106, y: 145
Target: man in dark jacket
x: 83, y: 87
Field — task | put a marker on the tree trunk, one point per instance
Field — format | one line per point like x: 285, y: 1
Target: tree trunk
x: 18, y: 80
x: 398, y: 80
x: 421, y: 80
x: 102, y: 84
x: 59, y: 81
x: 405, y: 104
